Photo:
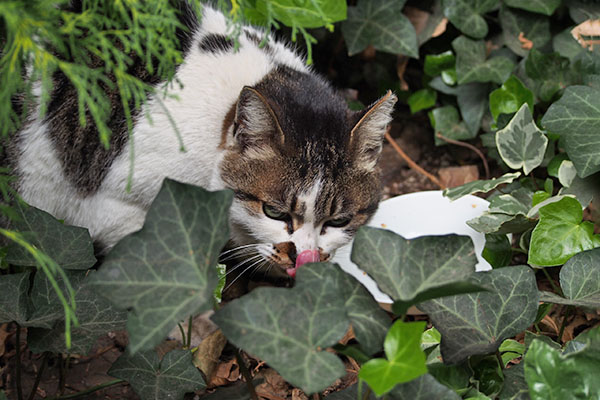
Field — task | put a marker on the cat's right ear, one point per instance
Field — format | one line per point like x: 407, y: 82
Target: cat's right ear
x: 255, y: 124
x: 366, y: 138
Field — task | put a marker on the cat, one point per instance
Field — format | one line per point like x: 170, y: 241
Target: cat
x: 256, y: 120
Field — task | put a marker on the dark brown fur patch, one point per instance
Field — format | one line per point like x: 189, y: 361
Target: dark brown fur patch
x: 215, y: 43
x: 85, y: 160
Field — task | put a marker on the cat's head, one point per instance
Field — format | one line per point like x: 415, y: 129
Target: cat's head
x: 303, y: 168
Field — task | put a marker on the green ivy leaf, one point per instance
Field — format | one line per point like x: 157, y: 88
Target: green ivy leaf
x: 352, y: 393
x: 69, y: 246
x: 435, y: 64
x: 479, y: 186
x: 546, y: 7
x: 472, y: 66
x: 421, y: 100
x: 510, y: 349
x: 478, y: 323
x: 487, y: 374
x: 472, y: 101
x: 565, y: 44
x: 521, y: 144
x: 95, y: 314
x: 407, y: 270
x: 553, y: 376
x: 561, y: 234
x: 405, y: 359
x: 467, y: 15
x: 424, y: 387
x: 576, y: 116
x: 154, y: 379
x: 290, y: 328
x: 166, y: 278
x: 497, y: 250
x: 14, y: 298
x: 585, y: 190
x: 311, y: 14
x: 381, y: 24
x: 534, y: 27
x: 510, y: 97
x: 446, y: 121
x: 550, y: 73
x: 515, y: 387
x: 580, y: 11
x: 369, y: 322
x: 580, y: 281
x: 498, y: 223
x: 554, y: 164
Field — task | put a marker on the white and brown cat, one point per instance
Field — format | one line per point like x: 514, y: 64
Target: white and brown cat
x: 258, y: 121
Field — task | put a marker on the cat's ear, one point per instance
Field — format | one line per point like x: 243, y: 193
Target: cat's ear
x: 366, y: 138
x: 255, y: 124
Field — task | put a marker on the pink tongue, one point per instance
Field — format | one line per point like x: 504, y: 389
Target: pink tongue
x: 306, y: 256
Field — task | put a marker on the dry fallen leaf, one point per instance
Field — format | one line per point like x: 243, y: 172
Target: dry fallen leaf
x: 207, y: 356
x: 456, y: 176
x: 587, y: 33
x: 3, y: 336
x: 420, y: 19
x: 525, y: 43
x: 400, y: 70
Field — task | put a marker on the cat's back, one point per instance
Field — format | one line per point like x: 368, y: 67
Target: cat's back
x: 63, y: 168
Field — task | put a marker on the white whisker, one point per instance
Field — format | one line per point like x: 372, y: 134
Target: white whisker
x: 238, y: 254
x: 242, y: 273
x: 240, y: 247
x: 242, y: 263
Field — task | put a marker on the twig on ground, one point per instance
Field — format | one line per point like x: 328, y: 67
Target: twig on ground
x: 246, y: 374
x: 38, y: 377
x: 470, y: 147
x: 88, y: 391
x: 411, y: 163
x: 18, y: 366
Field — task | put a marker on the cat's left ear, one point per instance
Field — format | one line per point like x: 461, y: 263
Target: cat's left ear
x: 256, y: 125
x: 366, y: 138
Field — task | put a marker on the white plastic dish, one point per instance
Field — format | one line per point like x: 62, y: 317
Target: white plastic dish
x: 421, y: 214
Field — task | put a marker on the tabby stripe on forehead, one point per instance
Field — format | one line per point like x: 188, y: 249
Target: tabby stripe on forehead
x: 370, y: 209
x: 245, y: 196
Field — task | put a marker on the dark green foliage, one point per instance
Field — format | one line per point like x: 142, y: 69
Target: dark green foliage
x: 156, y: 379
x: 496, y: 57
x: 167, y: 277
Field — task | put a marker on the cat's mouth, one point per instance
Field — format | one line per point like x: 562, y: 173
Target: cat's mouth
x: 285, y: 256
x: 279, y: 259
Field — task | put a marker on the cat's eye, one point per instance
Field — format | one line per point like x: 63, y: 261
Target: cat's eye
x: 338, y: 222
x: 274, y: 213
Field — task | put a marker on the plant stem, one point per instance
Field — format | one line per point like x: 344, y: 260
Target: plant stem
x: 246, y: 374
x: 18, y: 355
x: 367, y: 393
x: 564, y: 323
x: 499, y: 357
x: 470, y: 147
x: 189, y: 333
x: 556, y: 288
x: 183, y: 337
x: 411, y: 163
x: 518, y: 250
x: 88, y: 391
x: 38, y: 377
